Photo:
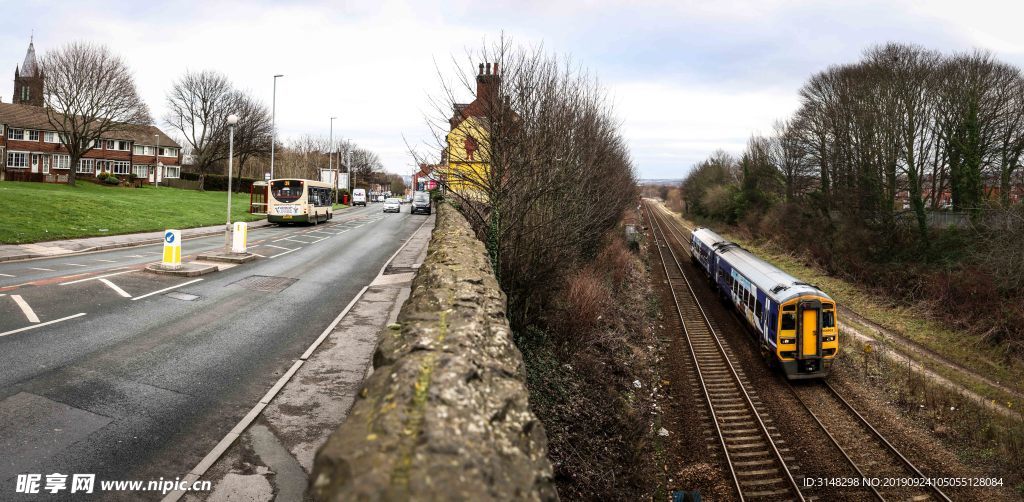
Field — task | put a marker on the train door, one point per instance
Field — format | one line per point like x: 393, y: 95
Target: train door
x: 808, y: 340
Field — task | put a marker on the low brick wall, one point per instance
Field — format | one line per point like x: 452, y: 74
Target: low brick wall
x: 445, y: 414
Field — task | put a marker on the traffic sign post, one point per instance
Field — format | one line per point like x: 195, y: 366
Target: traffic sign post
x: 240, y: 234
x: 172, y: 250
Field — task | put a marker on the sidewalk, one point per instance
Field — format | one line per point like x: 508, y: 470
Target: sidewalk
x: 10, y: 252
x: 273, y: 455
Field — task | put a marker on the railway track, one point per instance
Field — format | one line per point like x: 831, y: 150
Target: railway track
x: 754, y: 460
x: 874, y: 458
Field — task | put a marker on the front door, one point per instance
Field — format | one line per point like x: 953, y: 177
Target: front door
x: 40, y: 163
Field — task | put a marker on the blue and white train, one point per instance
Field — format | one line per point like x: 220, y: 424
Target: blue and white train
x: 795, y: 322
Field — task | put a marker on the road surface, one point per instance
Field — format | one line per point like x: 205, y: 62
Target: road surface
x: 109, y: 370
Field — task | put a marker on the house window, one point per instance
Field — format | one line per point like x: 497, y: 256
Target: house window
x: 102, y: 166
x: 140, y: 171
x: 32, y: 135
x: 17, y: 159
x: 61, y: 161
x: 15, y: 133
x: 124, y: 146
x: 121, y: 167
x: 96, y: 144
x: 51, y: 137
x: 142, y: 150
x: 168, y: 152
x: 85, y: 166
x: 172, y: 171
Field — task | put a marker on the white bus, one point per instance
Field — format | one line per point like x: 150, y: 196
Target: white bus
x: 299, y: 201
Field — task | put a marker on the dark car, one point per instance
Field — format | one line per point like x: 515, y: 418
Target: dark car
x: 421, y: 203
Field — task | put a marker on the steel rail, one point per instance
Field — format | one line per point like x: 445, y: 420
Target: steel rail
x: 656, y: 227
x: 850, y: 407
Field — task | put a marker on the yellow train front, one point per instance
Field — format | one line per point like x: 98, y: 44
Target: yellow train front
x: 795, y: 323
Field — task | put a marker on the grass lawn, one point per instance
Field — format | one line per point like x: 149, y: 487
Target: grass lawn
x: 33, y: 212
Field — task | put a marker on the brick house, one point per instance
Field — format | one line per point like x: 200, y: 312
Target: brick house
x: 31, y: 150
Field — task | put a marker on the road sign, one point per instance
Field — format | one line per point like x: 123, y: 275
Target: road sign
x: 239, y: 235
x: 266, y: 176
x: 172, y: 249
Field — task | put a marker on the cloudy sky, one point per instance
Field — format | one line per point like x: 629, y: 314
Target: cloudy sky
x: 686, y: 77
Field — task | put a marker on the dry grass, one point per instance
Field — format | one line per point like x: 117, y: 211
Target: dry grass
x: 582, y: 370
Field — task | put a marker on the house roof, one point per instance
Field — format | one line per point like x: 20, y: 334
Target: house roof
x: 34, y: 117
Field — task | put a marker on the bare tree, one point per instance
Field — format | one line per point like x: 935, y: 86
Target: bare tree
x: 89, y: 93
x: 198, y: 106
x: 524, y: 163
x: 254, y: 132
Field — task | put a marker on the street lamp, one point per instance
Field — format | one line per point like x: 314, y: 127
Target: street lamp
x: 232, y: 120
x: 273, y: 125
x: 330, y: 162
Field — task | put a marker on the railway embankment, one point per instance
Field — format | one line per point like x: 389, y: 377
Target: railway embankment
x: 960, y: 395
x: 445, y: 413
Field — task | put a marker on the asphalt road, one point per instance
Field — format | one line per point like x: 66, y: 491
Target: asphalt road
x: 138, y: 376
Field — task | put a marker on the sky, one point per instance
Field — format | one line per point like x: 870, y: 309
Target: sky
x: 685, y: 77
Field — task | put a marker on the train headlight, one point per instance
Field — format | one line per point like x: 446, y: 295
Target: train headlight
x: 830, y: 338
x: 787, y: 340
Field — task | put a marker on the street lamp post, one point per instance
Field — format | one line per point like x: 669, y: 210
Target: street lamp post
x: 330, y: 162
x: 348, y: 165
x: 273, y: 125
x: 232, y: 120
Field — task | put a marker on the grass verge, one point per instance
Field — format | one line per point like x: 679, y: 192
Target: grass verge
x: 34, y: 212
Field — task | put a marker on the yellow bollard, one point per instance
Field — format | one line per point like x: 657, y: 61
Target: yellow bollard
x: 172, y: 249
x: 239, y: 235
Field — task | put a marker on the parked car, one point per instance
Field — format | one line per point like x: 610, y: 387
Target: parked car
x: 392, y: 205
x: 359, y: 197
x: 420, y: 203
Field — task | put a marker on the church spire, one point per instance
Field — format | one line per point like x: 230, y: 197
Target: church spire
x: 30, y: 67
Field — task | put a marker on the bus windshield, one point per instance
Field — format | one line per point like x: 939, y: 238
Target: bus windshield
x: 286, y: 190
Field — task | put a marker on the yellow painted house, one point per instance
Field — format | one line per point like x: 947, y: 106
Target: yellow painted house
x: 466, y: 157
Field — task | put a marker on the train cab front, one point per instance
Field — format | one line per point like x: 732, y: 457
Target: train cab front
x: 808, y: 337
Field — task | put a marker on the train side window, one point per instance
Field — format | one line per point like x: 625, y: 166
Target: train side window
x: 788, y: 321
x: 759, y: 310
x: 828, y: 319
x: 789, y: 308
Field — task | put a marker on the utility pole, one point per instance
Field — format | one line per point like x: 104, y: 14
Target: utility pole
x: 232, y: 120
x: 330, y: 161
x: 273, y: 126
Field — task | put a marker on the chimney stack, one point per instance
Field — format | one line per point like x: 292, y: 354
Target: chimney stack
x: 495, y: 68
x: 488, y: 68
x: 481, y: 69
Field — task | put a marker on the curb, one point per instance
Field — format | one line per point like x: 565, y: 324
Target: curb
x: 228, y: 257
x: 155, y: 268
x: 105, y: 247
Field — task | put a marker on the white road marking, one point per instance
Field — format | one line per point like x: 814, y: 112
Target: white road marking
x: 75, y: 265
x: 212, y: 457
x: 136, y: 256
x: 286, y: 252
x: 34, y: 326
x: 278, y: 247
x: 25, y: 308
x: 93, y: 278
x: 257, y: 254
x: 43, y: 269
x: 7, y: 275
x: 166, y: 289
x: 116, y: 288
x: 105, y: 261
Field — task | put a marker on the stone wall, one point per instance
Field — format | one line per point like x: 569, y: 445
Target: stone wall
x: 445, y: 414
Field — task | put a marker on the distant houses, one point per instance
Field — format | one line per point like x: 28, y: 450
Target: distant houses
x: 32, y: 151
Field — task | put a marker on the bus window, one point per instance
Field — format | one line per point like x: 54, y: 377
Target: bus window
x: 788, y: 321
x: 828, y: 319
